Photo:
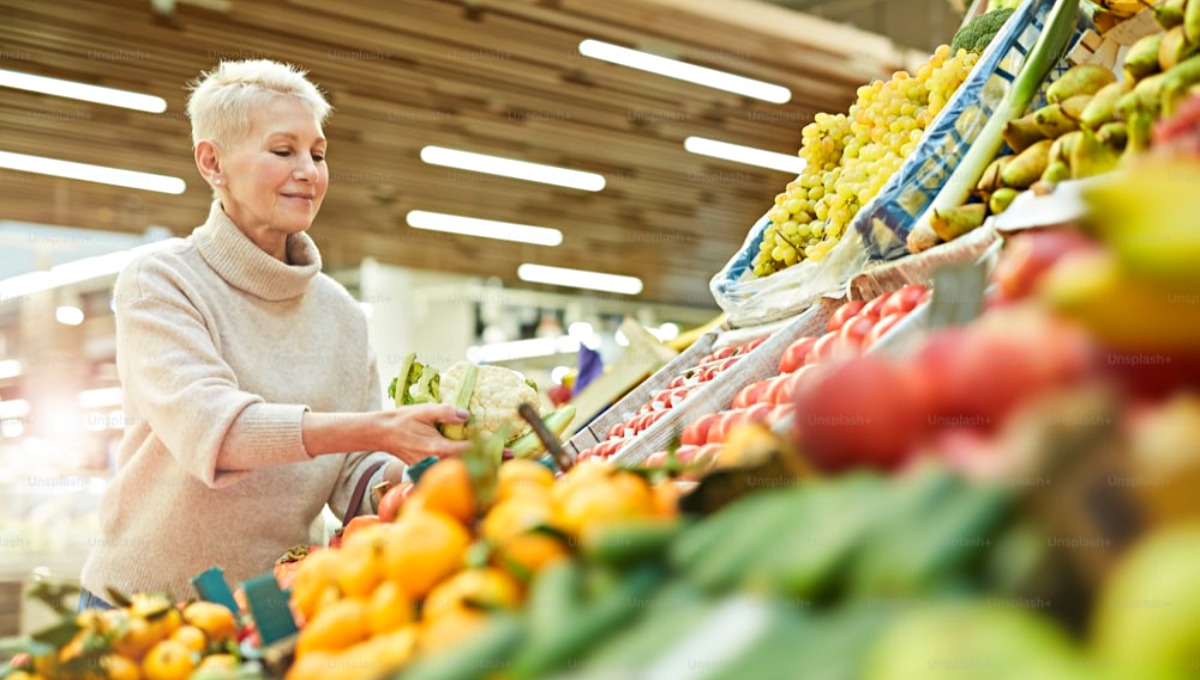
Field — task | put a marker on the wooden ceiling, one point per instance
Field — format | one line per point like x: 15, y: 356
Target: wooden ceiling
x: 492, y: 76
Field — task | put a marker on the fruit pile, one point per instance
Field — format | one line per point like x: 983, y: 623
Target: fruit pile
x: 851, y: 330
x: 148, y: 638
x: 466, y: 541
x: 678, y: 389
x: 851, y: 156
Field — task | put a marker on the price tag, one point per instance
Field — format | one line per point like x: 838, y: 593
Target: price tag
x: 957, y: 294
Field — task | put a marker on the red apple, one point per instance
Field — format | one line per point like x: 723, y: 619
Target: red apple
x: 844, y: 313
x: 861, y: 412
x: 1028, y: 255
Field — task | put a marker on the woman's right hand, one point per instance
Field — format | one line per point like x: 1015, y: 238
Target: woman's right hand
x: 411, y: 434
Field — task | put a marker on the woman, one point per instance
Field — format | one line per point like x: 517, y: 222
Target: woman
x: 247, y: 373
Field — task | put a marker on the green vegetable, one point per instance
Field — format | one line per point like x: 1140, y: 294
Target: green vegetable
x: 415, y: 383
x: 979, y: 32
x: 462, y: 399
x: 1046, y: 52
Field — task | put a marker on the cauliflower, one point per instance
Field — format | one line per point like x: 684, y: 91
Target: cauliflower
x: 498, y: 393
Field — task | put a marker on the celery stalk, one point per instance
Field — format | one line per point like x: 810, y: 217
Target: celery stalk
x: 1046, y: 52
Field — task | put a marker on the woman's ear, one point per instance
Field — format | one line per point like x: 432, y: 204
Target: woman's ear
x: 208, y: 162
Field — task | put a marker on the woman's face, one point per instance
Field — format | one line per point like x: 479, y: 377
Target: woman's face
x: 275, y: 178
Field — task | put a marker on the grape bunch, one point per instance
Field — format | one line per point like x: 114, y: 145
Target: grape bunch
x: 851, y: 156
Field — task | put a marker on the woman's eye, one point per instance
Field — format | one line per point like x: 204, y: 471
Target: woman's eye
x: 318, y: 157
x: 282, y: 153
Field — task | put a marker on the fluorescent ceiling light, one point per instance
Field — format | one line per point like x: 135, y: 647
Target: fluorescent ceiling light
x: 578, y: 278
x: 73, y: 272
x: 506, y: 167
x: 88, y: 93
x: 679, y: 70
x: 68, y: 315
x: 9, y: 368
x: 100, y: 398
x: 471, y: 226
x: 163, y: 184
x: 744, y: 154
x: 14, y: 408
x: 522, y: 349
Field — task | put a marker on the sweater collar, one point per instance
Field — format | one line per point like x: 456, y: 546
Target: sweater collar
x: 246, y: 267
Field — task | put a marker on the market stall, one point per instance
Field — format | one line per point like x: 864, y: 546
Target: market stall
x: 948, y: 429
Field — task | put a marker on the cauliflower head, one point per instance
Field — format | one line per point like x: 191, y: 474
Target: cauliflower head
x: 498, y: 393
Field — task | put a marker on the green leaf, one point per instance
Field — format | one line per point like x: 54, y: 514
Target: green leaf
x: 59, y: 634
x: 24, y: 644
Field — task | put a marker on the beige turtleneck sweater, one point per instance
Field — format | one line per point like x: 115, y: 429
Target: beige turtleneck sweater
x: 220, y: 350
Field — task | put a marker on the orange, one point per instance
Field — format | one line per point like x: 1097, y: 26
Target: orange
x: 377, y: 656
x: 358, y: 524
x: 219, y: 662
x: 425, y: 547
x: 449, y: 629
x: 317, y: 573
x: 446, y: 488
x: 336, y: 627
x: 666, y: 498
x: 192, y: 637
x: 514, y: 516
x: 117, y: 667
x: 137, y: 639
x: 312, y: 666
x: 389, y: 608
x: 623, y: 496
x: 590, y: 471
x: 168, y: 660
x: 521, y: 476
x: 485, y: 588
x: 360, y: 568
x: 528, y: 553
x: 213, y: 619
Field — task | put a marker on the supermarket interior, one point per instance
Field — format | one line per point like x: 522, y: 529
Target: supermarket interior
x: 657, y: 339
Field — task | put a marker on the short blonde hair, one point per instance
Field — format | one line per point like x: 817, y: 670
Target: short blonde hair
x: 221, y: 100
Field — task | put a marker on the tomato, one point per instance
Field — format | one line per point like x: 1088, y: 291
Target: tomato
x: 358, y: 524
x: 724, y: 353
x: 844, y: 313
x: 855, y: 329
x: 677, y: 395
x: 757, y: 413
x: 796, y: 354
x: 875, y: 307
x: 779, y: 412
x: 678, y: 381
x: 720, y: 429
x: 389, y: 505
x: 881, y: 328
x: 778, y: 391
x: 656, y: 459
x: 754, y: 344
x: 645, y: 408
x: 822, y: 348
x: 727, y: 363
x: 697, y: 431
x: 707, y: 455
x: 752, y: 394
x: 615, y: 431
x: 904, y: 300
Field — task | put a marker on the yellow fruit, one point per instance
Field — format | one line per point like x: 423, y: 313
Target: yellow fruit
x: 336, y: 627
x: 149, y: 605
x: 137, y: 639
x: 449, y: 629
x: 527, y: 554
x: 168, y: 660
x: 215, y: 620
x: 425, y: 548
x: 486, y: 588
x: 164, y: 624
x: 666, y: 499
x: 446, y: 488
x: 512, y: 517
x: 316, y: 574
x: 117, y: 667
x: 191, y: 637
x: 622, y: 496
x: 389, y: 608
x: 520, y: 477
x: 218, y: 662
x: 361, y: 567
x: 313, y: 666
x: 375, y: 657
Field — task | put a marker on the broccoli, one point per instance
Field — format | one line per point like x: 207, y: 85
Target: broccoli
x: 978, y: 33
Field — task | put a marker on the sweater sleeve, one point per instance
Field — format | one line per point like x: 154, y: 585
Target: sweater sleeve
x: 176, y: 380
x: 356, y: 464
